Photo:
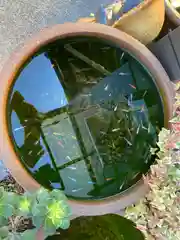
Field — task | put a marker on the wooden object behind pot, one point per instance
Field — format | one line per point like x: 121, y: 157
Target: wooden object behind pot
x: 172, y: 13
x: 143, y: 22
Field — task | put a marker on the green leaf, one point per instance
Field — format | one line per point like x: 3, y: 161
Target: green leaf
x: 12, y: 198
x: 29, y: 234
x: 38, y: 221
x: 6, y: 210
x: 57, y: 212
x: 24, y: 205
x: 4, y: 232
x: 49, y: 228
x: 174, y: 173
x: 66, y: 209
x: 3, y: 221
x: 175, y: 120
x: 153, y: 151
x: 64, y: 224
x: 1, y: 193
x: 39, y: 210
x: 58, y: 195
x: 42, y: 195
x: 14, y: 236
x: 177, y: 86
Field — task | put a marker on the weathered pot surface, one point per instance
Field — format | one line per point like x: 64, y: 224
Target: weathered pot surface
x: 81, y: 207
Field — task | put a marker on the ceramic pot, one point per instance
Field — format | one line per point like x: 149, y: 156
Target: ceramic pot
x: 151, y: 12
x: 14, y: 64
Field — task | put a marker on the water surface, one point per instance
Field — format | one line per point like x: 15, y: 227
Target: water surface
x: 83, y: 115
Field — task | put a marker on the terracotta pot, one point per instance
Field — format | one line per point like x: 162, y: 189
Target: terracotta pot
x: 8, y: 155
x: 172, y: 13
x: 143, y: 22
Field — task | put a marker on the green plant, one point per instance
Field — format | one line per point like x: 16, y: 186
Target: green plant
x: 158, y: 214
x: 48, y: 211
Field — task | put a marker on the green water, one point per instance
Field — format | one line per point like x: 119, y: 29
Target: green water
x: 83, y: 115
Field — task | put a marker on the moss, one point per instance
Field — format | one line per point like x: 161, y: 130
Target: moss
x: 107, y: 227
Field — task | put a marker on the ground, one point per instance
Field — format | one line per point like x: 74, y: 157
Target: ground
x: 19, y: 19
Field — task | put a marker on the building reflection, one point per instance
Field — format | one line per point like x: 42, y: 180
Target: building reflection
x: 86, y: 145
x: 31, y: 123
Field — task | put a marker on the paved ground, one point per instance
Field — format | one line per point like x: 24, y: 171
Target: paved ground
x: 19, y: 19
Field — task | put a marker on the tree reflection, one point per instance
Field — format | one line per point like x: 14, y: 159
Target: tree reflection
x: 31, y: 122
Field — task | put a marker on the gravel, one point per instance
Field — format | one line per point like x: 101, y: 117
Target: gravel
x: 19, y: 19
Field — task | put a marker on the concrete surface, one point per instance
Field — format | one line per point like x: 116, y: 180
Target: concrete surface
x: 19, y: 19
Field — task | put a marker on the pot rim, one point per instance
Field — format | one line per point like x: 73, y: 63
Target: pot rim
x: 11, y: 68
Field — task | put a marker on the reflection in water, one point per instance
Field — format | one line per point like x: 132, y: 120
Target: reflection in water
x: 30, y: 122
x: 83, y: 118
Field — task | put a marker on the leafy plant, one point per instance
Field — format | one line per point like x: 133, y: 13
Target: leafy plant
x: 47, y: 209
x: 158, y: 214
